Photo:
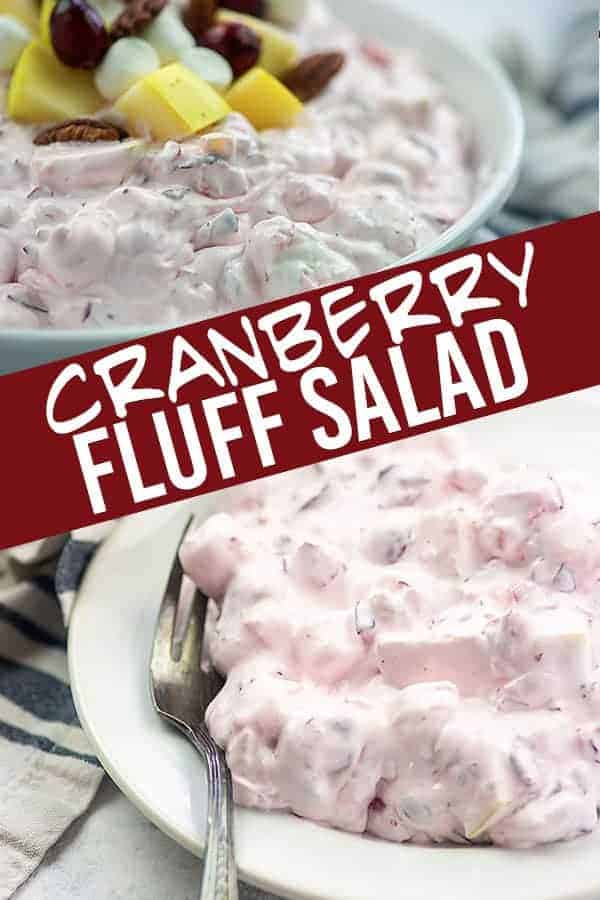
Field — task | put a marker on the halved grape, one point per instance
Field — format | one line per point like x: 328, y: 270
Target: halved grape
x: 78, y: 33
x: 239, y: 45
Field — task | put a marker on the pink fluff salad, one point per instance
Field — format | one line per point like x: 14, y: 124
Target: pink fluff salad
x: 411, y: 641
x: 99, y: 235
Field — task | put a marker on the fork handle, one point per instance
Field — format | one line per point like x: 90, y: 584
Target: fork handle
x: 219, y: 880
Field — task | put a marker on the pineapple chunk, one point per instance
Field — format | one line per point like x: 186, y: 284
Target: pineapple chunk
x: 279, y: 51
x: 46, y: 12
x: 43, y: 90
x: 264, y: 100
x: 26, y: 11
x: 171, y: 103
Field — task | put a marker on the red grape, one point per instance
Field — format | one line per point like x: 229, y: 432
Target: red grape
x: 79, y: 36
x: 249, y: 7
x: 239, y: 45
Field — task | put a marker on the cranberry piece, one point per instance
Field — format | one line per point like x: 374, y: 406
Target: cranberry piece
x: 376, y: 805
x: 256, y: 8
x: 239, y: 45
x: 79, y: 36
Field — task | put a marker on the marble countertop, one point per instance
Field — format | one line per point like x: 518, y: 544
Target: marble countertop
x: 113, y: 853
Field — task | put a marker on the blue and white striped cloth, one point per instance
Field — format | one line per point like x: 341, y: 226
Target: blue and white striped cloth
x: 48, y: 774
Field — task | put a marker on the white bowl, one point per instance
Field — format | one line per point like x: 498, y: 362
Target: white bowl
x: 473, y: 80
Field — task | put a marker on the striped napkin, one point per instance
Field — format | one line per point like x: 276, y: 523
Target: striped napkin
x: 48, y: 774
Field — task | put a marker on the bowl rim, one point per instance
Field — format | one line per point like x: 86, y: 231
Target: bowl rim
x: 491, y: 197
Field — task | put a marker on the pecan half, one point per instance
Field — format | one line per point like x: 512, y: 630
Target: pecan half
x: 199, y: 15
x: 311, y: 75
x: 89, y: 130
x: 134, y: 18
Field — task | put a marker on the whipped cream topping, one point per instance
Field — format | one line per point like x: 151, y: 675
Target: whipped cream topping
x: 411, y: 639
x: 96, y: 235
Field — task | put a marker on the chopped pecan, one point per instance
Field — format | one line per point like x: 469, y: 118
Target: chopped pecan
x: 312, y: 74
x: 199, y: 15
x: 89, y: 130
x: 134, y: 18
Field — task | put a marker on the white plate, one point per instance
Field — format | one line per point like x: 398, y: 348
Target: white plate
x: 473, y: 81
x: 109, y: 644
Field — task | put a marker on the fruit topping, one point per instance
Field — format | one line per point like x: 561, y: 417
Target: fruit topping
x: 43, y: 90
x: 128, y: 60
x: 249, y: 7
x: 108, y: 10
x: 239, y: 45
x: 169, y: 36
x: 147, y: 63
x: 26, y: 11
x: 89, y: 130
x: 311, y: 75
x: 14, y: 37
x: 210, y: 66
x: 135, y: 17
x: 278, y: 51
x: 172, y: 103
x: 45, y: 13
x: 198, y: 15
x: 264, y: 100
x: 79, y: 36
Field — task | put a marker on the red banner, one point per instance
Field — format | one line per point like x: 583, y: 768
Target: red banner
x: 297, y: 381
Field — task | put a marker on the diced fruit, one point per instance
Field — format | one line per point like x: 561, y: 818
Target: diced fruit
x: 78, y: 34
x: 108, y: 10
x: 250, y: 7
x: 14, y: 37
x: 128, y: 60
x: 239, y: 45
x: 169, y: 36
x: 43, y: 90
x: 264, y: 100
x: 171, y: 103
x: 210, y: 66
x: 278, y: 51
x: 26, y: 11
x: 46, y: 12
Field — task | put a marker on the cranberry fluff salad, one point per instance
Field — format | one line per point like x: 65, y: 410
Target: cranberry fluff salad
x: 411, y: 639
x: 162, y: 162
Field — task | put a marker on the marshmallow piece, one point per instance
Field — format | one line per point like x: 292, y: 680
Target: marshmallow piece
x: 212, y: 555
x: 14, y: 37
x: 209, y: 65
x: 287, y: 12
x: 169, y: 36
x: 128, y: 60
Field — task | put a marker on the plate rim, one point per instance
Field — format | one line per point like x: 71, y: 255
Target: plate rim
x: 167, y: 517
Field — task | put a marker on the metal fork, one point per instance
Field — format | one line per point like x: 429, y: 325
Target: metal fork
x: 182, y: 688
